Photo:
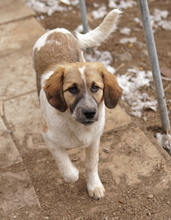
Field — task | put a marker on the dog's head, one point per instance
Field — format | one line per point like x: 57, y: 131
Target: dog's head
x: 81, y: 87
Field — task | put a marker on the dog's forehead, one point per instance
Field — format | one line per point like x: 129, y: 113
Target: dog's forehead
x: 90, y: 74
x: 83, y: 75
x: 72, y: 75
x: 83, y: 72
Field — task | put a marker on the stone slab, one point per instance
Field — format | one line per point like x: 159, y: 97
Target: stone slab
x: 11, y: 10
x: 17, y: 76
x: 19, y: 35
x: 133, y: 157
x: 23, y: 115
x: 17, y: 196
x: 116, y: 118
x: 9, y: 154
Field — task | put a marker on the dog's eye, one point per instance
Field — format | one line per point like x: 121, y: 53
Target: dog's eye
x: 94, y: 88
x: 73, y: 90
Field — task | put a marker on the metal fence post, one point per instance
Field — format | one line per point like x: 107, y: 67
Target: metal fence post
x: 84, y: 16
x: 143, y: 5
x: 84, y: 21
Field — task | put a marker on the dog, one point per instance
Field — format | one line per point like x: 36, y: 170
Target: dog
x: 73, y: 95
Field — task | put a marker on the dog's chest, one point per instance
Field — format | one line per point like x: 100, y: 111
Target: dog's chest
x: 69, y: 134
x: 80, y: 136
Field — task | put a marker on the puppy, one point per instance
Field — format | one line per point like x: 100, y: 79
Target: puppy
x: 73, y: 95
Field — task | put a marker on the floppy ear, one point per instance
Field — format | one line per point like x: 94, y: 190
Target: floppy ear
x: 112, y: 90
x: 54, y: 89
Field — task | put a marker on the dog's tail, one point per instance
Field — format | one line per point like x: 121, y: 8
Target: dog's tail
x: 101, y: 33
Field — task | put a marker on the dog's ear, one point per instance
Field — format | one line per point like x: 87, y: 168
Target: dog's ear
x: 112, y: 90
x: 54, y: 89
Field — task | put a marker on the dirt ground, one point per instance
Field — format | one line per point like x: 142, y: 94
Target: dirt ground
x: 128, y: 203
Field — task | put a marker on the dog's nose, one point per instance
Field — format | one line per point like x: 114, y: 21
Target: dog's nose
x: 89, y: 113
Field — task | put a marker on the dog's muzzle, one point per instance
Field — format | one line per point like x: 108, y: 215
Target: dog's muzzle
x: 86, y: 111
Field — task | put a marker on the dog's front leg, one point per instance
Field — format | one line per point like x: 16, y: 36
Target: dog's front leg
x: 68, y: 171
x: 94, y: 185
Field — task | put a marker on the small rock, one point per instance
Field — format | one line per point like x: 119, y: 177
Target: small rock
x: 130, y: 45
x: 106, y: 150
x: 150, y: 196
x: 124, y: 56
x: 74, y: 159
x: 166, y: 71
x: 120, y: 201
x: 149, y: 213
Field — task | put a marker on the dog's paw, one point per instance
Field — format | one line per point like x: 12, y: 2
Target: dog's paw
x: 71, y: 175
x: 96, y: 191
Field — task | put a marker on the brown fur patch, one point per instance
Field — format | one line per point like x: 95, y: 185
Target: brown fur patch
x: 54, y: 89
x: 112, y: 90
x: 59, y: 48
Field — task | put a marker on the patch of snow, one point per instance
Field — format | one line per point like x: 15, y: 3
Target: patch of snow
x: 165, y: 25
x: 165, y: 141
x: 125, y: 30
x: 74, y: 2
x: 95, y: 4
x: 104, y: 57
x: 112, y: 4
x: 49, y: 6
x: 138, y: 21
x: 128, y: 39
x: 159, y: 14
x: 67, y: 2
x: 41, y: 17
x: 99, y: 13
x: 158, y: 19
x: 79, y: 28
x: 131, y: 82
x: 122, y: 4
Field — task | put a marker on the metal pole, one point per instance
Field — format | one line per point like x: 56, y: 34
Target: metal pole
x: 84, y: 20
x: 154, y: 64
x: 84, y: 16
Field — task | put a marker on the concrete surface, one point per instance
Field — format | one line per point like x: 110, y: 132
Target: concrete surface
x: 134, y: 157
x: 12, y: 11
x: 17, y: 193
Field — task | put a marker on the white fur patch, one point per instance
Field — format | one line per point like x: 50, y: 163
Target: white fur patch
x: 41, y: 41
x: 52, y: 42
x: 46, y: 76
x: 83, y: 77
x: 81, y: 69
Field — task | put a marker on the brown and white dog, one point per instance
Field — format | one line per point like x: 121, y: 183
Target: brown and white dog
x: 73, y: 94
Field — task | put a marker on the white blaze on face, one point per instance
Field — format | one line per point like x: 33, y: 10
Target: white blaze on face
x: 81, y: 69
x: 88, y: 99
